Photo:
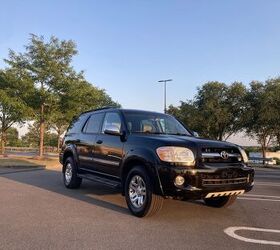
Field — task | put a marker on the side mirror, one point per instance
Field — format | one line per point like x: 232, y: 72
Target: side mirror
x: 195, y: 134
x: 112, y: 130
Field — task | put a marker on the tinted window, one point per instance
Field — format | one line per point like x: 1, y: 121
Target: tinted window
x: 94, y: 123
x: 77, y: 124
x: 112, y: 120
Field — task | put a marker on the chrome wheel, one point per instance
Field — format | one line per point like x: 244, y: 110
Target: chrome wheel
x: 68, y: 173
x: 137, y: 191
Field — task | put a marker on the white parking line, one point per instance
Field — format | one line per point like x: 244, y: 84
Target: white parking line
x: 230, y: 231
x: 271, y: 184
x: 260, y: 195
x: 256, y: 199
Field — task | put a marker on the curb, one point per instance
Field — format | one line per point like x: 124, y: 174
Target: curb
x: 28, y: 169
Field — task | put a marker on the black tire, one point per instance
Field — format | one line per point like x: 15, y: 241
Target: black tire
x: 74, y: 181
x: 152, y: 203
x: 219, y: 202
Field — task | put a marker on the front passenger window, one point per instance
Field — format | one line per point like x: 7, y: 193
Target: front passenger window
x: 112, y: 120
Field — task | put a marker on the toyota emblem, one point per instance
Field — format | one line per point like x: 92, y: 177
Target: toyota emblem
x: 224, y: 155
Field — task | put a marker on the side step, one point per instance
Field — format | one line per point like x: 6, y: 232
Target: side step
x: 105, y: 181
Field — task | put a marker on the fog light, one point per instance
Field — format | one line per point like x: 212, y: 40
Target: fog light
x: 179, y: 180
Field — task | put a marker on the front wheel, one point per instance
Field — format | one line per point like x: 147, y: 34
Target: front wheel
x: 223, y: 201
x: 139, y: 195
x: 70, y: 175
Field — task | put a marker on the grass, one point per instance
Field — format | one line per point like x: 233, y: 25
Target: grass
x: 18, y: 163
x: 23, y: 162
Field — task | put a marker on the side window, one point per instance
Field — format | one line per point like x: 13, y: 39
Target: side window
x: 111, y: 121
x: 77, y: 124
x: 94, y: 123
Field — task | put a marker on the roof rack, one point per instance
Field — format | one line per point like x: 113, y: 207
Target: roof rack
x: 92, y: 110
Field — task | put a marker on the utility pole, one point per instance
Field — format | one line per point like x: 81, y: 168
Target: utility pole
x: 165, y: 81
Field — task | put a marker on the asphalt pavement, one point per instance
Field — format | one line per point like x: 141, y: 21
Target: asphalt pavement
x: 38, y: 212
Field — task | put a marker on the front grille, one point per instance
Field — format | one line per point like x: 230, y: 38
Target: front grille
x: 222, y: 182
x: 221, y: 155
x: 225, y: 177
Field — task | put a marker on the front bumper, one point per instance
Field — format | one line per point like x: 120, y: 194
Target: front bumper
x: 208, y: 179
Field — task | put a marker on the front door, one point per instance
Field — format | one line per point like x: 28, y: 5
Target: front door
x: 109, y: 148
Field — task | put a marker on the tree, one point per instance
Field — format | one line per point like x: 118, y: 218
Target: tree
x: 13, y: 102
x: 59, y: 91
x: 272, y: 100
x: 32, y: 137
x: 215, y: 111
x: 261, y: 119
x: 48, y: 66
x: 12, y: 138
x: 73, y: 102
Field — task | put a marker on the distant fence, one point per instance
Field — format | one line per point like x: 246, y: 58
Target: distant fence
x: 30, y: 150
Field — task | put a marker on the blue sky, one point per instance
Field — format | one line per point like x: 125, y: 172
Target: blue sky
x: 125, y: 47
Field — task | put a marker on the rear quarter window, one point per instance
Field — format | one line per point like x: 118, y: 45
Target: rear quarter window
x: 77, y: 124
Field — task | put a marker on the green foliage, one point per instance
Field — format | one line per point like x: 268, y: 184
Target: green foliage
x: 12, y: 138
x: 13, y: 102
x: 55, y: 91
x: 215, y: 111
x: 262, y: 117
x: 32, y: 137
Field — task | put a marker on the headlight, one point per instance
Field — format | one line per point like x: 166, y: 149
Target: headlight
x: 244, y: 155
x: 176, y: 155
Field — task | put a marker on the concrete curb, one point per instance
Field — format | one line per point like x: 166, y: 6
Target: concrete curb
x: 4, y: 171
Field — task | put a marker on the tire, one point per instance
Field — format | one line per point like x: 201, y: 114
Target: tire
x: 138, y: 184
x: 219, y: 202
x: 70, y: 175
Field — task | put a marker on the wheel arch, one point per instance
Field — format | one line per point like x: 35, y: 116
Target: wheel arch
x: 69, y: 152
x: 150, y: 168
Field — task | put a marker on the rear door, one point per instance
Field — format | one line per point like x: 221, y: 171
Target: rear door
x: 109, y: 148
x: 88, y: 138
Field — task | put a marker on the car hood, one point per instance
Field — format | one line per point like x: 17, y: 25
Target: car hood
x: 191, y: 141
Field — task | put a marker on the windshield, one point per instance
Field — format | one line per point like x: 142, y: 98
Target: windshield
x: 153, y: 123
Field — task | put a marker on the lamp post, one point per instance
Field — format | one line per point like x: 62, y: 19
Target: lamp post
x: 165, y: 81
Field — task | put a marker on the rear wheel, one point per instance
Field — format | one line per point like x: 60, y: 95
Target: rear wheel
x: 70, y: 175
x: 223, y: 201
x: 139, y: 195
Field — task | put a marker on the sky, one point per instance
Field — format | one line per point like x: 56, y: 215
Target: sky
x: 125, y: 47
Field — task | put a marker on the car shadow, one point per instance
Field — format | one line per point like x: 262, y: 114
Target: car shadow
x: 111, y: 199
x: 90, y: 192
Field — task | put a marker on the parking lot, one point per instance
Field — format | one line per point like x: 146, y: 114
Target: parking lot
x: 37, y: 212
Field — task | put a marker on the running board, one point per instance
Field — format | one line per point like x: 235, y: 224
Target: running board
x: 226, y: 193
x: 102, y: 180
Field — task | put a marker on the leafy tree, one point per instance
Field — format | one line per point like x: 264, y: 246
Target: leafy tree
x: 59, y: 91
x: 261, y: 119
x: 13, y: 102
x: 48, y: 66
x: 12, y: 138
x: 32, y: 137
x: 73, y: 102
x: 216, y: 110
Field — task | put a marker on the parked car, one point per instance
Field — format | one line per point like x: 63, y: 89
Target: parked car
x: 150, y: 156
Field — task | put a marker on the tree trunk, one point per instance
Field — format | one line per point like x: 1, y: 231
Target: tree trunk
x: 58, y: 139
x: 263, y: 145
x: 42, y: 131
x: 2, y: 150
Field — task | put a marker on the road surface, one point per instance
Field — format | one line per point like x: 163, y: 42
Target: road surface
x: 37, y: 212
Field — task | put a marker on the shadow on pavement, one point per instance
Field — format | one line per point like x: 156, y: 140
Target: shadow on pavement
x: 111, y: 199
x: 52, y: 181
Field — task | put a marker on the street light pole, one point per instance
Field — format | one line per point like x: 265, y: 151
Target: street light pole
x: 165, y: 81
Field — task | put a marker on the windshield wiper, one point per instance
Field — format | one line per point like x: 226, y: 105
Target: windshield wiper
x: 182, y: 134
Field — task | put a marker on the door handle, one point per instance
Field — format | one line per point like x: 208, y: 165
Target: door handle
x: 99, y: 142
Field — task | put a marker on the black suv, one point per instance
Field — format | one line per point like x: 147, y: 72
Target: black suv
x: 151, y: 156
